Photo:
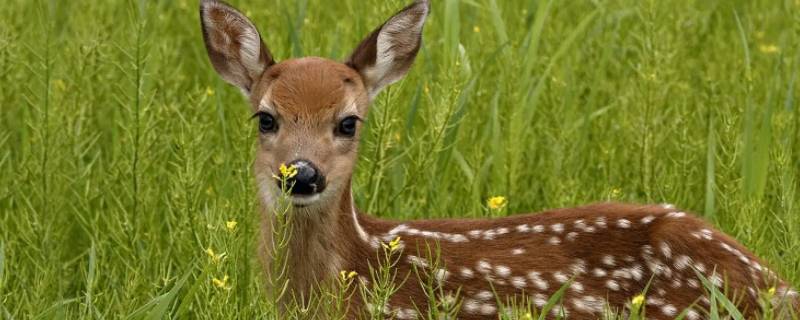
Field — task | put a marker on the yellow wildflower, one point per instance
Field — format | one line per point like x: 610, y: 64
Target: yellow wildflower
x: 771, y: 291
x: 527, y: 316
x: 231, y: 225
x: 637, y: 300
x: 476, y: 29
x: 769, y: 48
x: 221, y: 283
x: 209, y: 91
x: 344, y: 275
x: 497, y: 202
x: 393, y: 245
x: 215, y: 258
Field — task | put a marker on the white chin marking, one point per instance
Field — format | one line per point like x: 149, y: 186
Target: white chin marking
x: 303, y: 201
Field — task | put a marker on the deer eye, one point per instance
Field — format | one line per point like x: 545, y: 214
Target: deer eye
x: 347, y: 127
x: 266, y: 123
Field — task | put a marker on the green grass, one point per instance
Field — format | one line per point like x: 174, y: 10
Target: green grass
x: 122, y: 154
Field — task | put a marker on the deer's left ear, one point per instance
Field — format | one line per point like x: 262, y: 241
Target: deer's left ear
x: 233, y: 44
x: 385, y: 56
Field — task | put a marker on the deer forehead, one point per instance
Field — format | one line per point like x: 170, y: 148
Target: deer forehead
x: 311, y: 87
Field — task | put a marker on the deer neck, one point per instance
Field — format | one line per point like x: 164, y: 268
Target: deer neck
x: 323, y: 241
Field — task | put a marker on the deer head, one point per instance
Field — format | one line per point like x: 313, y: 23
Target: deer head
x: 309, y: 110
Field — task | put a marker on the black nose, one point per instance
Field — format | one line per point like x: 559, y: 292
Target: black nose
x: 308, y: 179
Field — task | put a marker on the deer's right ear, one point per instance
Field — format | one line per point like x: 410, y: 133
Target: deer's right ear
x: 385, y: 56
x: 233, y: 44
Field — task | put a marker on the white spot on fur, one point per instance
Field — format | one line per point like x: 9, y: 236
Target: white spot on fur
x: 653, y: 301
x: 600, y: 222
x: 523, y: 228
x: 647, y: 250
x: 589, y: 304
x: 539, y: 300
x: 572, y: 236
x: 579, y: 267
x: 484, y: 266
x: 648, y: 219
x: 517, y: 251
x: 608, y: 260
x: 682, y: 262
x: 676, y: 215
x: 669, y: 310
x: 665, y: 249
x: 700, y: 267
x: 502, y: 271
x: 637, y: 272
x: 417, y: 261
x: 536, y: 279
x: 466, y: 273
x: 554, y: 240
x: 597, y: 272
x: 518, y: 282
x: 488, y: 309
x: 692, y: 315
x: 405, y: 313
x: 612, y: 284
x: 716, y: 280
x: 484, y: 295
x: 560, y: 311
x: 621, y: 273
x: 624, y: 223
x: 537, y: 228
x: 397, y: 230
x: 441, y: 275
x: 471, y: 306
x: 557, y: 228
x: 560, y: 276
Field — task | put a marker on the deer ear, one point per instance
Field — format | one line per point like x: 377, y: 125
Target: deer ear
x: 385, y: 56
x: 233, y: 44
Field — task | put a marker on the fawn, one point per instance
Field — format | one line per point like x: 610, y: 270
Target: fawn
x: 310, y: 113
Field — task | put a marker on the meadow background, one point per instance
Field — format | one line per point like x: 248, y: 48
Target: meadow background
x: 123, y: 155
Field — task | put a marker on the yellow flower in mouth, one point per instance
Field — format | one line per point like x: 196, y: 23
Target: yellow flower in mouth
x: 637, y: 300
x: 231, y: 225
x: 221, y: 283
x: 287, y: 171
x: 497, y: 202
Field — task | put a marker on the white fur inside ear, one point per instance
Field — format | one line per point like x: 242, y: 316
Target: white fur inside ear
x: 399, y: 36
x: 228, y: 30
x: 250, y: 50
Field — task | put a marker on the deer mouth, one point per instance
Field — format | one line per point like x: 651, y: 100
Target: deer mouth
x: 304, y: 200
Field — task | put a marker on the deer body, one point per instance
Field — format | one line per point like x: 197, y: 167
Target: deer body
x: 309, y: 112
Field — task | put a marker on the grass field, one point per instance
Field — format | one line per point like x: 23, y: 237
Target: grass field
x: 123, y: 155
